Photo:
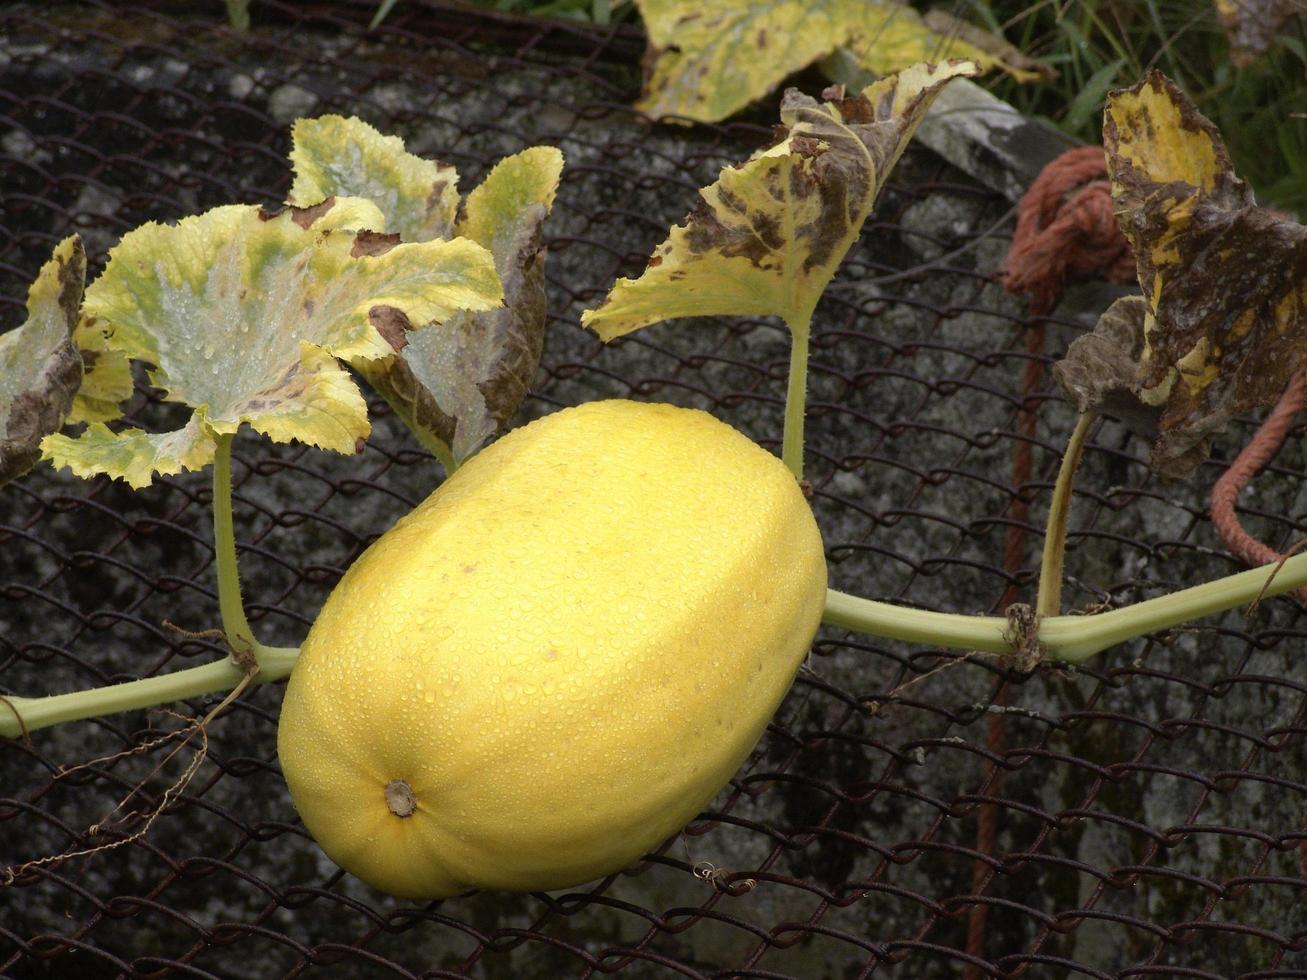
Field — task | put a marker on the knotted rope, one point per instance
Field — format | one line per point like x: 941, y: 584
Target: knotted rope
x: 1066, y: 231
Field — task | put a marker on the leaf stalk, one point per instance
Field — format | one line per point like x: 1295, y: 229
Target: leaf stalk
x: 234, y: 623
x: 1049, y: 600
x: 796, y: 395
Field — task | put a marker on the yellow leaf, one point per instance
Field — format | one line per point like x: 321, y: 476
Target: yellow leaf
x: 242, y: 315
x: 767, y: 237
x: 465, y: 379
x: 133, y: 456
x: 106, y: 377
x: 1163, y: 135
x: 334, y: 155
x: 456, y: 381
x: 710, y: 60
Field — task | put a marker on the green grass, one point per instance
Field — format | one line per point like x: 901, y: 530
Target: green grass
x: 1098, y: 45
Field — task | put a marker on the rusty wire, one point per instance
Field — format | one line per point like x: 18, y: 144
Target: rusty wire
x: 1151, y: 806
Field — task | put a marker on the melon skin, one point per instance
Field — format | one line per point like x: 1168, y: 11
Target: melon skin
x: 562, y: 655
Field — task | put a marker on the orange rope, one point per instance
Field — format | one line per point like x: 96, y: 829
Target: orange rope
x: 1066, y: 231
x: 1259, y: 451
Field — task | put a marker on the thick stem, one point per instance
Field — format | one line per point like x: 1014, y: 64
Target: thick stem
x: 937, y: 629
x: 796, y: 396
x: 1068, y: 638
x: 234, y: 623
x: 1077, y: 638
x: 1049, y: 601
x: 221, y: 675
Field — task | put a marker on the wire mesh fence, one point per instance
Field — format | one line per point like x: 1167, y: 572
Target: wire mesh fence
x: 909, y: 812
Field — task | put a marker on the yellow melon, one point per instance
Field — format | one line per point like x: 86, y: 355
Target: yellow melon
x: 558, y: 659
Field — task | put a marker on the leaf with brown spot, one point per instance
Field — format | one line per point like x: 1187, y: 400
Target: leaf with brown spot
x: 392, y: 324
x: 454, y: 382
x: 459, y: 381
x: 373, y: 243
x: 1225, y: 281
x: 242, y: 317
x: 707, y: 61
x: 767, y: 237
x: 304, y: 217
x: 40, y: 367
x: 339, y: 155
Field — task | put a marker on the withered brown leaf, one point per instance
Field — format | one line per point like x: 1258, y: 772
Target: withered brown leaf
x: 40, y: 365
x: 1100, y: 373
x: 1225, y: 281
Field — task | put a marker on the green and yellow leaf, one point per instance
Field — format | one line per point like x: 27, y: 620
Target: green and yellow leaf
x: 1225, y: 281
x: 40, y: 367
x: 106, y: 377
x: 241, y: 315
x: 338, y: 156
x: 767, y: 237
x: 454, y: 383
x: 132, y: 455
x: 710, y: 60
x: 461, y: 381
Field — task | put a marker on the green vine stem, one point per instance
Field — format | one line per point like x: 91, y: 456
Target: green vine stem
x: 1071, y: 639
x: 938, y: 629
x: 1049, y: 601
x: 796, y: 395
x: 19, y: 716
x: 22, y: 715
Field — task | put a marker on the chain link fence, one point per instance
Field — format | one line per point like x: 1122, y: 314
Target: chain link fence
x: 909, y: 812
